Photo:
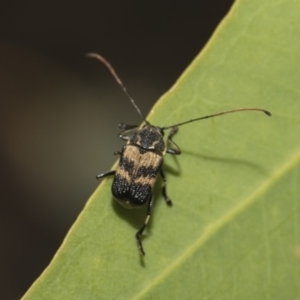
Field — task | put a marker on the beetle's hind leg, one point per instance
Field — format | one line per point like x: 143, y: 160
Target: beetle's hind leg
x: 164, y: 189
x: 109, y: 173
x: 173, y: 151
x: 138, y: 235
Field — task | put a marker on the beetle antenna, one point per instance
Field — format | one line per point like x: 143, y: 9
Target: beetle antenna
x: 117, y: 78
x: 220, y: 114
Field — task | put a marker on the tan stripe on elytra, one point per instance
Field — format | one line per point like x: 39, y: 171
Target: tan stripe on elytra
x: 146, y: 160
x: 124, y: 174
x: 145, y: 180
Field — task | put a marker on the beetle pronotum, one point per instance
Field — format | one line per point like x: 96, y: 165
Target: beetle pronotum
x: 141, y: 159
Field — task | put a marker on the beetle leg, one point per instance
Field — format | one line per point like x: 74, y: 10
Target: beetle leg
x: 126, y: 129
x: 140, y: 231
x: 176, y: 151
x: 117, y: 153
x: 164, y: 189
x: 106, y: 174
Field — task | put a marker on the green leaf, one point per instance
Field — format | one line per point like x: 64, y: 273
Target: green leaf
x: 234, y: 229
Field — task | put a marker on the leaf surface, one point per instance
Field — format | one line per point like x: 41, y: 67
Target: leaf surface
x: 234, y: 229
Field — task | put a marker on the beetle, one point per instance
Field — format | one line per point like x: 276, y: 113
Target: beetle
x: 141, y: 159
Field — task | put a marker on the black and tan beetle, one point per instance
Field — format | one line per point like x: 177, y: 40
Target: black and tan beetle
x: 141, y: 159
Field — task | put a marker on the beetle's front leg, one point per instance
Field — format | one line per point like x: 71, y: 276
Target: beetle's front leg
x: 109, y: 173
x: 126, y: 129
x: 176, y: 151
x: 140, y: 231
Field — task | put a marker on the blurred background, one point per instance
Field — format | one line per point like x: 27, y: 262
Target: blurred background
x: 59, y: 110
